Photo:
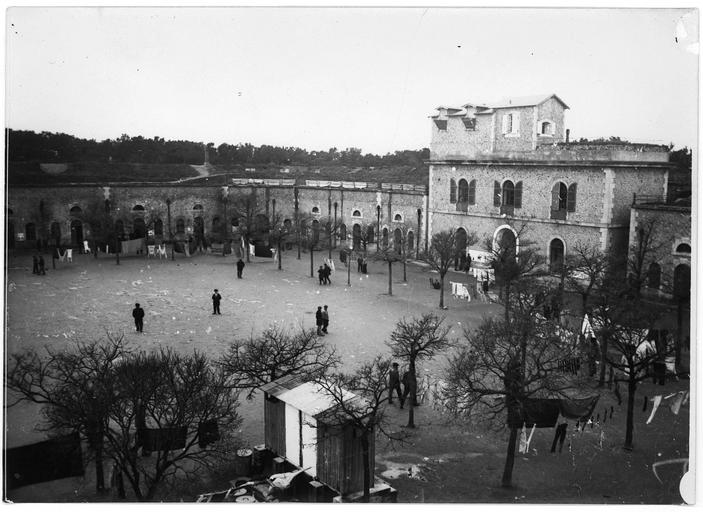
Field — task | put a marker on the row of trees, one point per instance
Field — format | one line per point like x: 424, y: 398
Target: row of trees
x: 28, y: 146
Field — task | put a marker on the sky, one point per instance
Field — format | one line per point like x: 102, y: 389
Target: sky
x: 368, y: 78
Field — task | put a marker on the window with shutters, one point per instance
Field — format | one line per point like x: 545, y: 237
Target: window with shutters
x: 463, y: 191
x: 472, y: 192
x: 511, y: 124
x: 452, y: 191
x: 559, y: 201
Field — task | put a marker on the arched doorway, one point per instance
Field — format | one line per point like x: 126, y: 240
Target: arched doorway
x: 682, y: 282
x: 385, y: 238
x: 356, y: 235
x: 216, y: 228
x: 460, y: 253
x: 158, y: 227
x: 411, y: 241
x: 315, y: 231
x: 654, y: 276
x: 556, y: 255
x: 370, y: 235
x: 198, y: 229
x: 398, y: 240
x: 138, y: 228
x: 76, y: 232
x: 505, y: 243
x: 180, y: 226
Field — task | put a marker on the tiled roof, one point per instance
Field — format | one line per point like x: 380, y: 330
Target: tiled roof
x: 526, y: 101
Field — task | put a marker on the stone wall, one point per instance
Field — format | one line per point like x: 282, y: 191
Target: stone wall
x: 23, y: 205
x: 672, y: 227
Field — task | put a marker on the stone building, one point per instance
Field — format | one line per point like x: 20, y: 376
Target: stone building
x: 665, y: 230
x: 66, y: 203
x: 506, y: 172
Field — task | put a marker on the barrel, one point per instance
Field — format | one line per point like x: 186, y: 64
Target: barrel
x: 242, y: 462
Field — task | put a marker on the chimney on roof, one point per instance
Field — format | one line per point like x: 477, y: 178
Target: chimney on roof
x: 567, y: 135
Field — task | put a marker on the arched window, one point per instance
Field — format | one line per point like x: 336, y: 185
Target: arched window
x: 398, y: 217
x: 654, y: 276
x: 546, y: 128
x: 315, y: 210
x: 472, y: 192
x: 463, y: 191
x: 571, y: 198
x: 198, y: 207
x: 138, y: 209
x: 158, y: 227
x: 343, y: 232
x: 556, y: 255
x: 76, y: 210
x: 559, y: 196
x: 452, y: 191
x: 411, y: 241
x: 684, y: 248
x: 356, y: 213
x: 180, y: 226
x: 508, y: 193
x: 30, y: 231
x: 385, y: 238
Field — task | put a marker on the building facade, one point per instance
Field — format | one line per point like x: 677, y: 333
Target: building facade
x: 506, y: 173
x: 66, y: 212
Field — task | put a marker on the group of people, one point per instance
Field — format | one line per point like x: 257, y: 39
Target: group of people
x: 323, y: 274
x: 322, y: 320
x: 38, y: 265
x: 361, y: 265
x: 394, y: 381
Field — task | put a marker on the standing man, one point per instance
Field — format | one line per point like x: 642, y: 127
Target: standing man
x: 240, y: 268
x: 35, y: 264
x: 318, y: 321
x: 325, y: 319
x: 138, y: 314
x: 359, y: 263
x: 216, y: 298
x: 394, y: 385
x: 327, y: 272
x: 41, y: 270
x: 321, y: 275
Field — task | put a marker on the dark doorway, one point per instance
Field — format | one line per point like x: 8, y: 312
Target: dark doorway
x: 138, y: 228
x: 76, y: 233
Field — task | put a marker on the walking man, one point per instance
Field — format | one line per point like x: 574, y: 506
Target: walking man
x: 240, y: 268
x: 327, y: 272
x: 35, y: 264
x: 321, y: 275
x: 325, y: 319
x: 394, y: 385
x: 216, y: 298
x: 41, y: 266
x: 318, y: 321
x: 138, y: 314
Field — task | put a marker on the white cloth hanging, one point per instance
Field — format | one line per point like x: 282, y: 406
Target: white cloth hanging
x: 523, y: 440
x: 656, y: 401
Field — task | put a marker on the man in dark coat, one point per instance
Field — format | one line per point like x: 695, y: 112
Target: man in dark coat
x: 359, y: 263
x: 327, y: 272
x: 409, y: 386
x: 240, y: 268
x: 41, y: 264
x: 138, y: 314
x: 325, y: 319
x: 216, y: 298
x: 318, y: 321
x: 321, y: 274
x: 394, y: 385
x: 35, y: 264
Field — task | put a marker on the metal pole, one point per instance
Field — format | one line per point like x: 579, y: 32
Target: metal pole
x: 349, y: 267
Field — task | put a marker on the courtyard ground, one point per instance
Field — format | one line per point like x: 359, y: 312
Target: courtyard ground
x: 444, y: 461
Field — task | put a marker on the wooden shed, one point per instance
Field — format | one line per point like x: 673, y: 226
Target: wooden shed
x: 294, y: 429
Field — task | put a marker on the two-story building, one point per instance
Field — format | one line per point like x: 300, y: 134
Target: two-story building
x: 505, y: 172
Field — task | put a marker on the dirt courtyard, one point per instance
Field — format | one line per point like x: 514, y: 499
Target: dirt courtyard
x: 443, y: 462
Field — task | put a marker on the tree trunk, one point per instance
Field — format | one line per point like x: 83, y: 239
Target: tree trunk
x: 99, y: 473
x: 312, y: 265
x: 246, y: 247
x: 367, y: 470
x: 603, y: 361
x: 510, y: 460
x: 278, y: 247
x: 405, y: 275
x: 441, y: 291
x: 631, y: 389
x: 413, y: 395
x: 390, y: 277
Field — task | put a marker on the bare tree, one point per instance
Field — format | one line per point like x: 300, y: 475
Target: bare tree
x: 110, y: 394
x: 414, y: 340
x: 645, y: 245
x: 389, y: 255
x: 586, y: 266
x: 363, y: 409
x: 441, y: 255
x: 275, y: 353
x: 505, y: 365
x: 246, y: 208
x: 67, y: 384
